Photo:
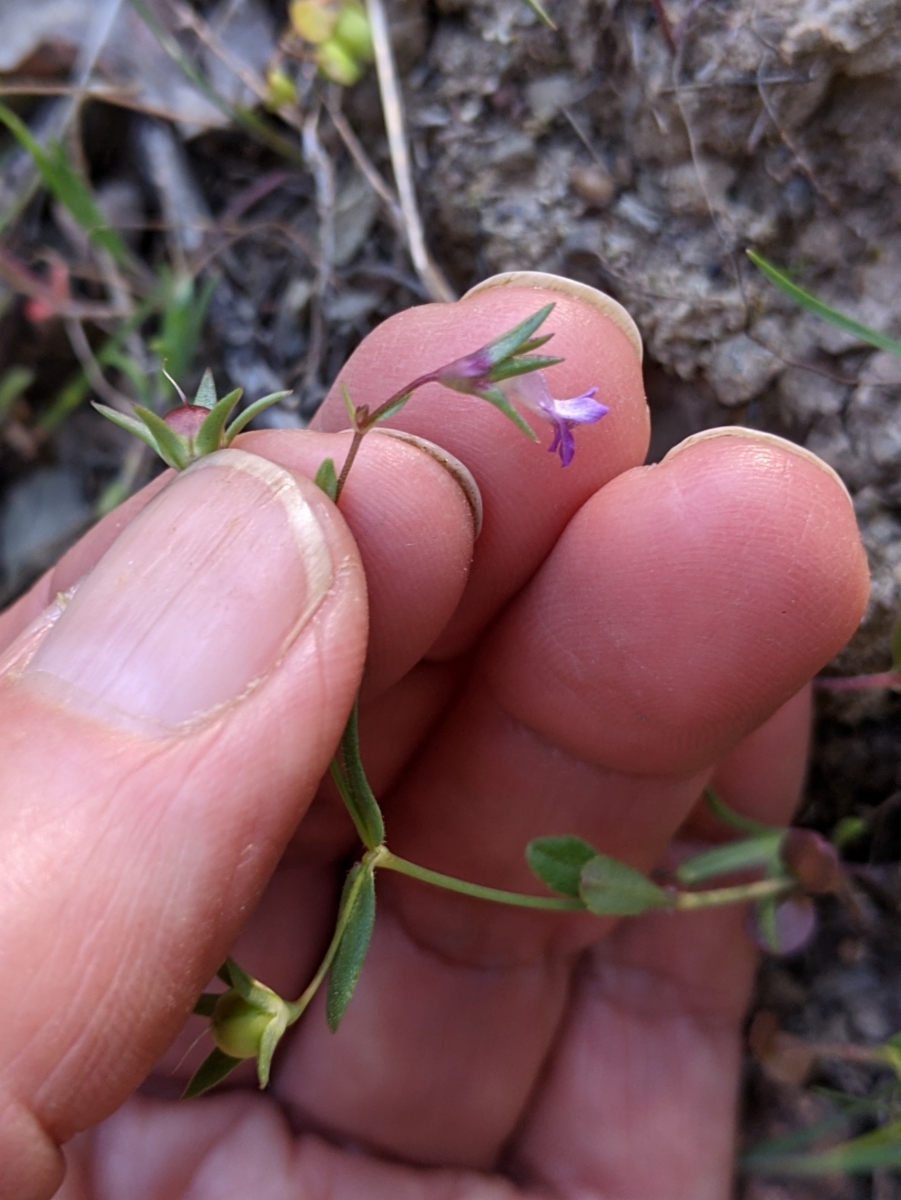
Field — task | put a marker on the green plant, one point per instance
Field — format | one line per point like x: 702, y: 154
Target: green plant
x: 248, y: 1019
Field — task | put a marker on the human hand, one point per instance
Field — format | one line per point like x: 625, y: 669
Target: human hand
x: 617, y: 637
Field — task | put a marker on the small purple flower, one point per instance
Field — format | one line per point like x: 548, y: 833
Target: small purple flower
x: 532, y: 392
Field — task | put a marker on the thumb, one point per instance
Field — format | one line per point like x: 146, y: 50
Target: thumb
x: 163, y: 734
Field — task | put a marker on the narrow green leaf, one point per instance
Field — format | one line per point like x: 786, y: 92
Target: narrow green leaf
x: 610, y: 888
x: 63, y: 181
x: 535, y: 343
x: 184, y: 307
x: 364, y: 808
x: 206, y: 1003
x: 539, y: 9
x: 395, y: 408
x: 768, y: 923
x: 787, y: 1145
x: 206, y: 393
x: 130, y: 424
x: 210, y: 436
x: 761, y: 851
x: 243, y: 419
x: 558, y: 862
x: 238, y: 978
x: 261, y: 129
x: 169, y: 446
x: 134, y: 372
x: 271, y: 1037
x: 724, y: 813
x: 211, y: 1071
x: 496, y: 397
x: 869, y: 1152
x: 522, y: 366
x: 871, y: 336
x: 327, y: 479
x: 350, y: 406
x: 352, y: 950
x: 13, y: 383
x: 510, y: 343
x: 848, y: 830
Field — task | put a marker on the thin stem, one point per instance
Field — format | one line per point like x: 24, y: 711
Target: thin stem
x: 370, y: 419
x: 859, y: 683
x: 685, y: 901
x: 382, y: 857
x: 300, y: 1005
x: 349, y: 461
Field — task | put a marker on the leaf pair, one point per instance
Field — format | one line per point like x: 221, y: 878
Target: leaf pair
x: 191, y: 431
x: 607, y: 887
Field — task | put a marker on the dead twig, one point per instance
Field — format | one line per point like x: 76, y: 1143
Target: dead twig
x: 366, y: 167
x: 81, y: 348
x: 324, y: 178
x: 392, y: 108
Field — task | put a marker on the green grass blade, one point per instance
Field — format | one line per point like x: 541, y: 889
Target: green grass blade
x: 262, y: 130
x: 63, y: 181
x: 870, y: 1151
x: 871, y: 336
x: 539, y: 9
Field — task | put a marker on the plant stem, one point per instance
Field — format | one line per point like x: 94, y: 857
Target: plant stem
x: 365, y: 423
x: 382, y: 857
x: 858, y: 683
x: 349, y: 461
x: 685, y: 901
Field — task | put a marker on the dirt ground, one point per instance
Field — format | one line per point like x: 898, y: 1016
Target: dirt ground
x: 640, y: 148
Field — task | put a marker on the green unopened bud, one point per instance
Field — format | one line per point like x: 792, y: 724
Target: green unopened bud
x: 281, y: 89
x: 353, y: 32
x: 238, y: 1026
x: 337, y: 65
x: 314, y: 20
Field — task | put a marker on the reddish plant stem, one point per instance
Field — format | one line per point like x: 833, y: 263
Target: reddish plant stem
x: 859, y: 683
x: 365, y: 423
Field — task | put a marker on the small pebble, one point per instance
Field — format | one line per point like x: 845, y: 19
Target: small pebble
x: 593, y: 184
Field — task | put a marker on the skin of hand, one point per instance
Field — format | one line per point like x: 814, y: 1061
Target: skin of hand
x: 617, y: 637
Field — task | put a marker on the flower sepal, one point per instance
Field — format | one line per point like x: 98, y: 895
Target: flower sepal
x: 194, y: 429
x: 247, y: 1021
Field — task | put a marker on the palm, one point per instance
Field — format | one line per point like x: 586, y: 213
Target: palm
x: 596, y: 666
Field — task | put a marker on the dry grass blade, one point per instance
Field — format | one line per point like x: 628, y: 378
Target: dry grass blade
x: 392, y: 107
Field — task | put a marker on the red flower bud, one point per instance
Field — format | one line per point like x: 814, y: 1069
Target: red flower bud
x: 813, y: 861
x: 186, y: 420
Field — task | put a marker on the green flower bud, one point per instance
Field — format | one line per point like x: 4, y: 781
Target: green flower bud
x: 314, y: 20
x: 238, y: 1025
x: 353, y: 32
x: 336, y: 64
x: 281, y: 90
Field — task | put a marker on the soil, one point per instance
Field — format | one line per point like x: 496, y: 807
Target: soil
x: 640, y: 148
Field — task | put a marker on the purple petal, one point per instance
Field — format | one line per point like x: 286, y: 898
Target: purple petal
x: 581, y: 410
x: 564, y: 442
x: 532, y: 392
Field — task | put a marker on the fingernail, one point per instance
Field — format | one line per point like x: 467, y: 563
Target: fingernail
x: 458, y: 470
x: 567, y: 287
x: 759, y: 435
x: 194, y: 604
